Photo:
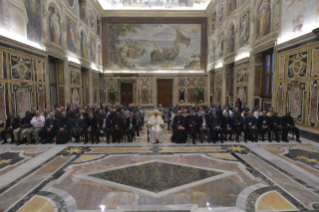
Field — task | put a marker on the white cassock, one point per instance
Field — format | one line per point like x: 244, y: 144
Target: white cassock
x: 156, y: 131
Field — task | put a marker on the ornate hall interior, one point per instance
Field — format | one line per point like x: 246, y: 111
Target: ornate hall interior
x: 159, y: 105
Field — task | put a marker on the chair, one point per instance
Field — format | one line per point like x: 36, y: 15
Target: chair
x: 150, y: 114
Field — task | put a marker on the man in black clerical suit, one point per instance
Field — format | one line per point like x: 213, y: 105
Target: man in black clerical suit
x: 77, y: 127
x: 238, y: 123
x: 216, y: 127
x: 117, y: 125
x: 191, y: 125
x: 131, y: 126
x: 276, y: 125
x: 289, y: 124
x: 91, y: 126
x: 71, y: 113
x: 203, y: 126
x: 179, y: 128
x: 49, y: 129
x: 12, y: 123
x: 263, y: 124
x: 100, y: 119
x: 64, y: 127
x: 251, y: 127
x: 227, y: 125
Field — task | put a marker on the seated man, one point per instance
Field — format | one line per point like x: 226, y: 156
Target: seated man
x: 216, y: 127
x: 289, y: 124
x: 37, y: 123
x: 49, y: 129
x: 137, y: 116
x: 12, y: 124
x: 131, y: 126
x: 263, y: 123
x: 179, y: 128
x: 100, y: 119
x: 276, y: 125
x: 91, y: 125
x: 155, y: 124
x: 107, y: 128
x: 25, y: 124
x: 117, y: 125
x: 71, y: 113
x: 227, y: 125
x: 191, y: 125
x: 63, y: 129
x: 251, y: 127
x: 203, y: 126
x: 238, y: 123
x: 77, y: 127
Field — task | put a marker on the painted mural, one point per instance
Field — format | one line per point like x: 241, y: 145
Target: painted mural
x: 154, y: 46
x: 220, y: 12
x: 4, y: 14
x: 155, y: 4
x: 34, y: 26
x: 71, y: 35
x: 231, y: 39
x: 221, y: 46
x: 93, y: 48
x: 84, y: 45
x: 263, y: 18
x: 55, y: 25
x: 300, y: 17
x: 244, y: 29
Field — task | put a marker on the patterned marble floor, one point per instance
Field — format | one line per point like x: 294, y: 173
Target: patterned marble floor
x: 141, y: 176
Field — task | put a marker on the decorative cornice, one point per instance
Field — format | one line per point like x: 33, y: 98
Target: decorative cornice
x: 154, y: 13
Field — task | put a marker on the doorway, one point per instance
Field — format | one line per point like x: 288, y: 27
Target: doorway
x: 126, y: 93
x: 165, y: 92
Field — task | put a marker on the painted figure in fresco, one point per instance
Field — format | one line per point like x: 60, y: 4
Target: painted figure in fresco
x: 91, y: 18
x: 263, y: 18
x: 100, y: 55
x: 297, y: 23
x: 220, y: 48
x: 72, y: 37
x: 54, y: 25
x: 244, y: 30
x: 93, y: 51
x: 34, y: 26
x: 75, y: 96
x: 231, y: 38
x: 71, y: 3
x: 213, y: 49
x: 292, y: 2
x: 83, y: 45
x: 4, y: 14
x: 220, y: 12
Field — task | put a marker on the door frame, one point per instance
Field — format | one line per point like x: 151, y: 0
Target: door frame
x: 119, y: 84
x: 174, y: 78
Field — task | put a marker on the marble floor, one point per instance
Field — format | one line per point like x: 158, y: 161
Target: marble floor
x: 166, y: 177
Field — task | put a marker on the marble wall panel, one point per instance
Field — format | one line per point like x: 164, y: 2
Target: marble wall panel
x: 60, y: 67
x: 4, y: 107
x: 315, y: 62
x: 281, y: 67
x: 75, y: 95
x: 41, y: 97
x: 22, y: 98
x: 313, y: 104
x: 3, y: 65
x: 39, y: 68
x: 242, y: 75
x: 280, y: 98
x: 297, y: 65
x: 296, y: 99
x: 188, y: 88
x: 21, y: 68
x: 242, y: 94
x: 144, y: 90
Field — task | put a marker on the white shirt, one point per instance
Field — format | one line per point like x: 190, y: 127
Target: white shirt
x: 229, y: 112
x: 155, y: 121
x: 204, y: 122
x: 35, y: 121
x: 257, y: 114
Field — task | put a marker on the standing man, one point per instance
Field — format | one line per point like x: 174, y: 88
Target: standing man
x: 216, y: 127
x: 11, y: 125
x: 37, y: 123
x: 263, y: 123
x: 203, y: 126
x: 155, y: 124
x: 64, y: 127
x: 289, y: 124
x: 130, y: 126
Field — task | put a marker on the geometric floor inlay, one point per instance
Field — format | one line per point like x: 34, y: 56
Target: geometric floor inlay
x: 156, y: 177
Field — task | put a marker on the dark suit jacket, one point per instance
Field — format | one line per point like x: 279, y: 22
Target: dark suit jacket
x: 200, y: 122
x: 215, y: 121
x: 118, y: 123
x: 133, y: 122
x: 276, y: 121
x: 91, y: 123
x: 227, y: 121
x: 287, y: 120
x: 191, y: 120
x: 263, y: 121
x: 179, y: 120
x: 252, y: 120
x: 49, y: 122
x: 15, y: 123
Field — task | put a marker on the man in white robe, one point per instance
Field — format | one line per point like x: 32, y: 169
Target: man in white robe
x: 155, y: 125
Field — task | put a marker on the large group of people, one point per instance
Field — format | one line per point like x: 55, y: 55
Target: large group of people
x: 116, y: 121
x: 61, y: 124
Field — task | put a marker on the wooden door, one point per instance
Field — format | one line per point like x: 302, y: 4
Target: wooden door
x: 126, y: 93
x: 164, y: 92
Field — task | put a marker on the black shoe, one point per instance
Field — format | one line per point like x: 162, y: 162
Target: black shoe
x: 5, y: 142
x: 214, y: 142
x: 278, y: 140
x: 287, y: 140
x: 118, y: 142
x: 263, y: 139
x: 202, y: 142
x: 97, y: 142
x: 194, y: 142
x: 270, y: 141
x: 12, y: 142
x: 237, y: 140
x: 256, y: 141
x: 298, y: 140
x: 92, y: 142
x: 85, y: 142
x: 222, y: 142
